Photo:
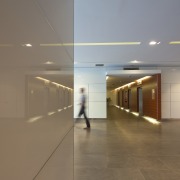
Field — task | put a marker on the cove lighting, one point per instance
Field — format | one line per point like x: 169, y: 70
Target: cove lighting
x: 40, y: 78
x: 33, y: 119
x: 146, y: 77
x: 151, y: 120
x: 51, y: 113
x: 116, y: 106
x: 48, y: 81
x: 135, y: 113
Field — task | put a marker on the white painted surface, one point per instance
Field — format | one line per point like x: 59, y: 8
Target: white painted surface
x: 170, y: 93
x: 94, y: 82
x: 165, y: 97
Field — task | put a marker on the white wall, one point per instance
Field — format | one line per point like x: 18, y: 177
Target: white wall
x: 94, y: 82
x: 170, y: 92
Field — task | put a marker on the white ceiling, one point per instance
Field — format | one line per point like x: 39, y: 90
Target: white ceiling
x: 104, y: 21
x: 95, y: 21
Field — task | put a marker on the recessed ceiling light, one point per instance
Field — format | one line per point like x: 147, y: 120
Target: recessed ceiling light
x: 135, y: 61
x: 153, y: 43
x: 27, y: 45
x: 49, y: 62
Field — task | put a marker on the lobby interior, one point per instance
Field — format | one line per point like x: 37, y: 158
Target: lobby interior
x: 50, y: 49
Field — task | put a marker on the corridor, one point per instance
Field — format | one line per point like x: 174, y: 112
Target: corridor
x: 126, y: 147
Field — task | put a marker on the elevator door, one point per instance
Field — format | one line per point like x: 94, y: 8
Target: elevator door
x: 140, y: 101
x: 129, y: 99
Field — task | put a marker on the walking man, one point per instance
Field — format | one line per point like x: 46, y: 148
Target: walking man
x: 83, y: 107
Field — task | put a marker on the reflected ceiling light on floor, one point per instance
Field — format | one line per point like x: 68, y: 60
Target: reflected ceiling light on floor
x: 151, y: 120
x: 174, y: 42
x: 153, y: 43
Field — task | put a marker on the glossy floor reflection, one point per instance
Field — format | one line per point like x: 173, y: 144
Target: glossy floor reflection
x: 126, y: 147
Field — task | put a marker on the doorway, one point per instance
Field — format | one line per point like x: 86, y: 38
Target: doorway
x: 140, y: 101
x: 129, y: 99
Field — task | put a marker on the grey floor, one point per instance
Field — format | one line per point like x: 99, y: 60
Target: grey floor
x: 126, y: 147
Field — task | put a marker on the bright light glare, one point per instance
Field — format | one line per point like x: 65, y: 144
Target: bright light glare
x: 107, y: 77
x: 152, y: 43
x: 135, y: 61
x: 28, y: 45
x: 151, y: 120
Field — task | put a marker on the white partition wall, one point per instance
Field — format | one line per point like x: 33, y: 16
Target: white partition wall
x: 170, y: 93
x: 94, y: 82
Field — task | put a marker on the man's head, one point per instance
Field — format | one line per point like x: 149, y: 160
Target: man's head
x: 82, y: 90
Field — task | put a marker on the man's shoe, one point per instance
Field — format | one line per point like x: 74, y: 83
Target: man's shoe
x: 87, y: 128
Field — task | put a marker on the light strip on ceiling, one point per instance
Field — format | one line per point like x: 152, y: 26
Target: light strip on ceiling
x: 33, y: 119
x: 174, y: 42
x: 92, y: 44
x: 57, y: 84
x: 146, y: 77
x: 40, y: 78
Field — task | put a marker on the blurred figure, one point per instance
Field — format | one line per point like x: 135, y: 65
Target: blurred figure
x: 83, y: 107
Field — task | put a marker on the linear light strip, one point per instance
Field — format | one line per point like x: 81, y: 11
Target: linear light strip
x: 46, y: 80
x: 151, y: 120
x: 93, y: 44
x: 174, y: 42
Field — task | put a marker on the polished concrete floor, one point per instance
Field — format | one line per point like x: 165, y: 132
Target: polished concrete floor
x: 126, y: 147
